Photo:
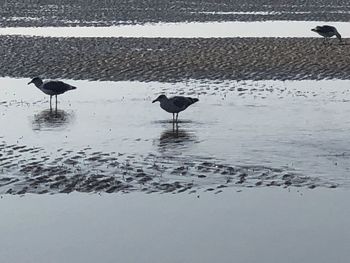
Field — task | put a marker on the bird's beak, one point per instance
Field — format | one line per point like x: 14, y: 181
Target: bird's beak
x: 154, y: 100
x: 29, y: 82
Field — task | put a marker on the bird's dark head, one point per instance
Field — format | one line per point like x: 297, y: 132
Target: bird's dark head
x: 159, y: 98
x: 316, y: 29
x: 36, y: 81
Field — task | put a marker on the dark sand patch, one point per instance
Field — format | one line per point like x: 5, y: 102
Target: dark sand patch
x: 174, y: 60
x: 32, y: 170
x: 110, y: 12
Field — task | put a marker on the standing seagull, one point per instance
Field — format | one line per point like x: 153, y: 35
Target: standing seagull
x: 175, y: 104
x: 52, y: 87
x: 327, y: 32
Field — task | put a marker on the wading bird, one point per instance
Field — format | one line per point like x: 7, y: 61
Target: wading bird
x: 175, y: 104
x: 52, y: 87
x: 327, y: 32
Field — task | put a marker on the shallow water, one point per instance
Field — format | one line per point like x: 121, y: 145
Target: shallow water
x: 251, y: 226
x: 240, y: 134
x: 185, y: 30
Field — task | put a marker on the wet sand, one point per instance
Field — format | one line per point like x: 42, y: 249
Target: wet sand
x: 109, y: 12
x: 172, y: 60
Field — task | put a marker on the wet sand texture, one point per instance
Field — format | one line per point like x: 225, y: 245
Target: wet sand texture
x: 32, y: 170
x: 156, y: 59
x: 110, y: 12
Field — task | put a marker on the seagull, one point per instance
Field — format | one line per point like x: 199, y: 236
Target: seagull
x: 52, y: 87
x: 327, y: 32
x: 175, y: 104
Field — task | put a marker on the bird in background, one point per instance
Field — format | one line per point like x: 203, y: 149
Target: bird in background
x: 327, y: 32
x: 175, y: 104
x: 51, y: 87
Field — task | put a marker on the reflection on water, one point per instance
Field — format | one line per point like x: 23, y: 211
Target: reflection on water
x: 175, y: 138
x: 52, y: 119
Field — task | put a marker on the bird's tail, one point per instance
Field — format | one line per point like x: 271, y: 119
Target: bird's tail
x: 193, y: 100
x: 338, y: 35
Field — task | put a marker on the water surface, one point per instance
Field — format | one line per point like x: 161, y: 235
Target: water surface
x: 239, y: 134
x: 251, y: 226
x: 185, y: 30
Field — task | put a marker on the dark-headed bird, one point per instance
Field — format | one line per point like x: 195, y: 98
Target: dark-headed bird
x: 327, y: 32
x: 51, y: 87
x: 175, y: 104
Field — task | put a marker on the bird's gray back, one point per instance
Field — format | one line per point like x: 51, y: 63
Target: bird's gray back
x: 56, y: 87
x: 180, y: 101
x: 177, y: 104
x: 326, y: 31
x: 327, y: 28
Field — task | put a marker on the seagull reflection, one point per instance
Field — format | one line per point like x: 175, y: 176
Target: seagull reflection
x: 176, y: 138
x: 52, y: 119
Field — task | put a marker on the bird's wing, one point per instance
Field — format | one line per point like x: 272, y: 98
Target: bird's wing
x: 180, y: 102
x: 56, y: 86
x: 327, y: 28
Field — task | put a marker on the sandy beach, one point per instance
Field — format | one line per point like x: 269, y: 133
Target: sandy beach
x: 172, y: 60
x: 110, y: 12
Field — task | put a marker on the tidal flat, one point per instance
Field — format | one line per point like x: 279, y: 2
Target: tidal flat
x: 256, y: 171
x: 109, y: 137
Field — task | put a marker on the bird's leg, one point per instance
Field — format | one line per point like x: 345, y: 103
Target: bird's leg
x: 50, y: 102
x: 56, y: 102
x: 177, y: 115
x: 173, y: 117
x: 325, y: 41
